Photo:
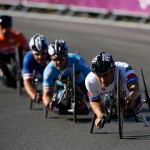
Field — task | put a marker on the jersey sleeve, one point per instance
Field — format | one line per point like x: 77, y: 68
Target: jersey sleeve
x: 27, y: 67
x: 130, y: 75
x: 49, y: 77
x: 93, y: 93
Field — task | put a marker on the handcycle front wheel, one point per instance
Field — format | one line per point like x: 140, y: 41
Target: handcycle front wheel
x: 74, y: 95
x: 120, y: 106
x: 46, y: 109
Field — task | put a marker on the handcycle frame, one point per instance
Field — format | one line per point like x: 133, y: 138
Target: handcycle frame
x: 19, y: 78
x: 13, y: 68
x: 35, y: 83
x: 121, y: 109
x: 71, y: 87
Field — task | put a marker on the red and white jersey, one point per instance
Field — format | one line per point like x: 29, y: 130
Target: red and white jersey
x: 95, y: 89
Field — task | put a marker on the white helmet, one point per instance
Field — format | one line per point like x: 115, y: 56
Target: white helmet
x: 39, y: 43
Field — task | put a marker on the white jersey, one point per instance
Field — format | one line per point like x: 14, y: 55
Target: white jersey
x: 95, y: 89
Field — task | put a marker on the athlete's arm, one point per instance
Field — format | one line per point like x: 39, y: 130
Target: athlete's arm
x: 30, y: 89
x: 47, y: 98
x: 132, y: 83
x: 133, y: 87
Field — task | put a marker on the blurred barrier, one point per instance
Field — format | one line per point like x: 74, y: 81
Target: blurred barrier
x: 139, y: 6
x: 133, y: 8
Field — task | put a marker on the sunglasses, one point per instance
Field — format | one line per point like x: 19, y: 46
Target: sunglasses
x: 41, y: 53
x: 105, y: 73
x: 59, y: 59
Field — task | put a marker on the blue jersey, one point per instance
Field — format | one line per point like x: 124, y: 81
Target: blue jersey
x: 30, y: 65
x: 51, y: 72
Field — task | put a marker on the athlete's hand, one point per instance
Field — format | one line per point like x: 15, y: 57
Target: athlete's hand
x: 38, y: 98
x: 100, y: 122
x: 130, y: 102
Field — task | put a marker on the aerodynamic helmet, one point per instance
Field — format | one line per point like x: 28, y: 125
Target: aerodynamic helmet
x: 102, y: 63
x: 6, y: 21
x: 38, y: 43
x: 58, y: 48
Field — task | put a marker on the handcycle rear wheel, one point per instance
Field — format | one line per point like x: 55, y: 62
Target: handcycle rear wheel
x: 145, y: 89
x: 120, y: 106
x: 93, y: 121
x: 19, y: 79
x: 74, y: 94
x: 31, y: 104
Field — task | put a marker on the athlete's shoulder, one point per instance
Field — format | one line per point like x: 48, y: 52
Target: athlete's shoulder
x: 121, y: 64
x: 29, y: 56
x: 16, y: 32
x: 72, y: 55
x: 50, y: 66
x: 91, y: 77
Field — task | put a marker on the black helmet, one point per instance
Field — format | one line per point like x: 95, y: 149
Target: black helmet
x: 58, y: 48
x: 6, y: 21
x: 102, y: 63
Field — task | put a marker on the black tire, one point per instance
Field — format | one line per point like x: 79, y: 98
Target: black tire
x: 19, y: 83
x: 18, y: 71
x: 74, y: 95
x: 120, y: 106
x: 109, y: 113
x: 93, y: 122
x: 145, y: 89
x: 45, y: 112
x: 31, y: 104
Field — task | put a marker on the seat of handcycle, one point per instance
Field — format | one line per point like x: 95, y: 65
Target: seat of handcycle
x: 63, y: 110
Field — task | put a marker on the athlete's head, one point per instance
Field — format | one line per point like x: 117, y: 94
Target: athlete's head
x: 58, y: 50
x: 39, y: 46
x: 6, y: 23
x: 103, y: 66
x: 102, y: 63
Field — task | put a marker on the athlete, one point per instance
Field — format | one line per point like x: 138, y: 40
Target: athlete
x: 10, y: 39
x: 60, y: 60
x: 35, y: 61
x: 102, y: 80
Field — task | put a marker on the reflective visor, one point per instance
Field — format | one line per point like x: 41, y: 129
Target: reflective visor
x: 58, y: 58
x: 39, y: 53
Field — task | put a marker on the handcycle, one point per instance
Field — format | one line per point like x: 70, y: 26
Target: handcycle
x: 11, y: 66
x: 118, y: 104
x: 68, y: 99
x: 8, y: 65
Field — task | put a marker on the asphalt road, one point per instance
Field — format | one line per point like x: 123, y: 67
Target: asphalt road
x: 23, y: 129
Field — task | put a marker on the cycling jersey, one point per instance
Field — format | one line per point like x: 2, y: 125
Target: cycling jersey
x: 15, y: 39
x: 95, y: 89
x: 51, y: 72
x: 30, y: 65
